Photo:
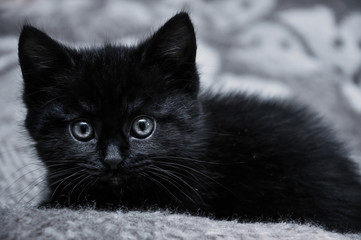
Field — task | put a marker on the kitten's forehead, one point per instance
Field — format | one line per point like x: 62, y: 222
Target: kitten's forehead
x: 109, y: 76
x: 93, y: 107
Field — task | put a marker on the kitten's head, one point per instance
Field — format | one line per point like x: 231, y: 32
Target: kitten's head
x: 114, y: 119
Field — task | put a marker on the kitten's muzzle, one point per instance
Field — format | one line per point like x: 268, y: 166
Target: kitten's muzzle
x: 113, y: 163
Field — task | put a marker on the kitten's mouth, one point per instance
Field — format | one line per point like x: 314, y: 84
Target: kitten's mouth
x: 113, y: 179
x: 116, y: 181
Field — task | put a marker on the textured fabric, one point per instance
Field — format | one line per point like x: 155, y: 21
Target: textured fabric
x: 66, y: 224
x: 308, y: 51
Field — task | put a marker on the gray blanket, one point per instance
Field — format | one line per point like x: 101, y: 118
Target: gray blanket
x: 307, y: 51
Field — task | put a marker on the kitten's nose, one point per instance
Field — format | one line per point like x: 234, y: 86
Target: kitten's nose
x: 112, y: 157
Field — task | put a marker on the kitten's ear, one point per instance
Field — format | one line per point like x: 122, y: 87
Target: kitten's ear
x: 41, y: 58
x: 40, y: 55
x: 174, y: 44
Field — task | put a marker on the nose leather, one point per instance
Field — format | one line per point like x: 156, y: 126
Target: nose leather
x: 112, y: 156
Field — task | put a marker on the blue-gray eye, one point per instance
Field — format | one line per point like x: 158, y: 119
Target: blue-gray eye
x: 82, y: 130
x: 142, y: 127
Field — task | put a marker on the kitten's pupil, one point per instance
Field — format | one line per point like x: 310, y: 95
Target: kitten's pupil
x: 142, y: 125
x: 84, y: 128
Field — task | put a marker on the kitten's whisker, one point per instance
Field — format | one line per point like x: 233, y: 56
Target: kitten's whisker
x: 177, y: 186
x: 37, y: 164
x: 82, y: 175
x: 60, y: 169
x: 168, y: 179
x: 160, y: 184
x: 20, y: 177
x: 179, y: 176
x: 44, y: 189
x: 73, y: 187
x: 62, y: 165
x: 144, y: 176
x: 61, y: 181
x: 25, y: 189
x: 61, y: 172
x: 36, y: 195
x: 89, y: 184
x: 173, y: 174
x: 195, y: 160
x: 88, y: 166
x: 182, y: 158
x: 31, y: 186
x: 176, y: 165
x: 180, y: 166
x: 43, y: 179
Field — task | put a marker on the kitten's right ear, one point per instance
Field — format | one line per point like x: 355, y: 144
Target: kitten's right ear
x: 39, y: 55
x: 41, y: 58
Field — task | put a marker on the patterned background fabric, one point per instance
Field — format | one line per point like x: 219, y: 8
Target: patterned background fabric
x: 307, y: 51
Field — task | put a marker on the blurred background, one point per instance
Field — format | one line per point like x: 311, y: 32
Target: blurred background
x: 306, y: 51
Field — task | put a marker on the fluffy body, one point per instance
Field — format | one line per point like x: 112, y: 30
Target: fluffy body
x: 228, y: 157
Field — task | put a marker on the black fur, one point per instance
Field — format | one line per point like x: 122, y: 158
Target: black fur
x: 222, y: 156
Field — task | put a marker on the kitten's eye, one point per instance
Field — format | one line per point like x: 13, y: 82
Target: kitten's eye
x: 82, y: 130
x: 142, y: 127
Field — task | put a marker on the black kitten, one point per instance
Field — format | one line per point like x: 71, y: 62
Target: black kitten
x: 127, y: 126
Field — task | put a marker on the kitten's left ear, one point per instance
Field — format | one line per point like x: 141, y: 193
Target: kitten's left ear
x: 173, y: 45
